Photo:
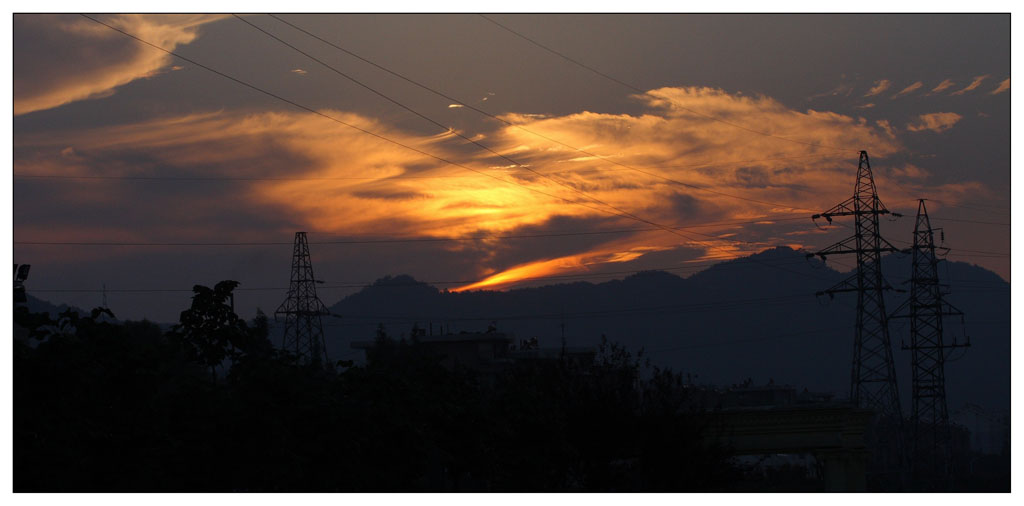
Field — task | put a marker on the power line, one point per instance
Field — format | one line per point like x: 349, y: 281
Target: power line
x: 581, y: 278
x: 975, y: 207
x: 60, y: 177
x: 675, y: 308
x: 395, y: 240
x: 444, y: 127
x: 948, y: 204
x: 973, y: 255
x: 293, y: 103
x: 954, y: 250
x: 243, y: 178
x: 620, y: 211
x: 520, y: 127
x: 331, y: 118
x: 373, y: 284
x: 990, y: 212
x: 638, y: 90
x: 973, y: 221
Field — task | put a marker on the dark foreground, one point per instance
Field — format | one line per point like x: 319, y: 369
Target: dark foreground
x: 118, y: 407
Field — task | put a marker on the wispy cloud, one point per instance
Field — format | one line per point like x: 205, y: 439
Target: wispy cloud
x: 454, y: 106
x: 887, y: 127
x: 65, y: 58
x: 866, y: 106
x: 300, y: 72
x: 1003, y: 86
x: 944, y: 85
x: 908, y: 90
x: 343, y: 183
x: 841, y: 90
x: 974, y: 84
x: 879, y: 87
x: 935, y: 122
x: 910, y: 171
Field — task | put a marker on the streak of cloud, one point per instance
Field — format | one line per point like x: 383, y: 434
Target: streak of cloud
x: 65, y: 58
x: 843, y: 90
x: 571, y: 263
x: 1003, y: 86
x: 908, y: 90
x: 340, y: 182
x: 910, y: 171
x: 887, y: 127
x: 970, y: 87
x: 879, y: 87
x: 936, y: 122
x: 944, y: 85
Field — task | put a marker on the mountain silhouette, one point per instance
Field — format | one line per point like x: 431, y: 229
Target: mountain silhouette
x: 755, y: 317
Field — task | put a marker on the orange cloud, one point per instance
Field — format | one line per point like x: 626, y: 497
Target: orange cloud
x: 66, y: 58
x: 936, y: 122
x: 887, y: 127
x: 878, y: 88
x: 974, y: 84
x: 1003, y: 86
x: 335, y: 181
x: 909, y: 171
x: 909, y: 89
x: 944, y: 85
x: 570, y: 263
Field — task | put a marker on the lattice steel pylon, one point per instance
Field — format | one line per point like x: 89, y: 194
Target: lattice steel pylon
x: 303, y: 329
x: 873, y: 376
x: 931, y: 439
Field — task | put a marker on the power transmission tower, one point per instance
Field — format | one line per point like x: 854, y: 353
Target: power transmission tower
x: 873, y: 378
x: 931, y: 443
x: 873, y: 375
x: 303, y: 330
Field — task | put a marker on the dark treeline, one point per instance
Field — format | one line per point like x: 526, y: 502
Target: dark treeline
x: 211, y: 405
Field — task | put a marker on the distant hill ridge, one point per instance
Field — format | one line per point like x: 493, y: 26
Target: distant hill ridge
x: 752, y: 317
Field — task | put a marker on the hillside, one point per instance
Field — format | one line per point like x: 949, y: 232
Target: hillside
x: 754, y: 317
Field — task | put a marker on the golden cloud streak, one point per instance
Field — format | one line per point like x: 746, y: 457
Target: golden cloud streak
x: 561, y: 265
x: 908, y: 90
x: 944, y: 85
x: 878, y: 88
x: 1003, y: 86
x: 970, y: 87
x: 333, y: 180
x: 94, y: 59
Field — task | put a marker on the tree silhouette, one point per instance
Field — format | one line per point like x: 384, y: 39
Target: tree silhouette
x: 210, y: 331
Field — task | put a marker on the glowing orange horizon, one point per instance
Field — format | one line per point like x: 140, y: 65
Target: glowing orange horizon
x: 338, y: 181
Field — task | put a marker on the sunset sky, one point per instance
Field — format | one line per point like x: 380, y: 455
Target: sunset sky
x: 732, y: 130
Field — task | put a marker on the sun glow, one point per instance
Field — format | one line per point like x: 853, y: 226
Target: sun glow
x: 335, y: 181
